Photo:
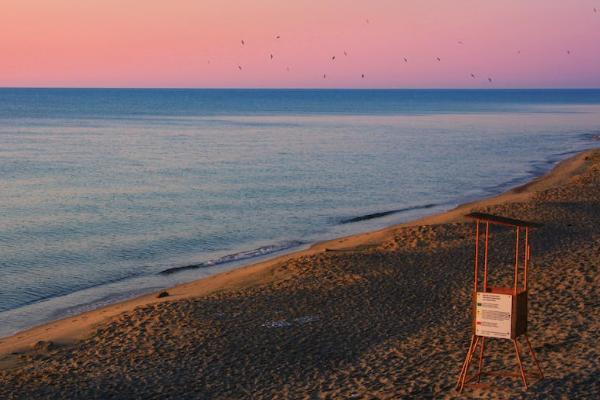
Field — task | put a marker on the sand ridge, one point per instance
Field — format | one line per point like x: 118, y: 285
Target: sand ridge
x: 380, y: 315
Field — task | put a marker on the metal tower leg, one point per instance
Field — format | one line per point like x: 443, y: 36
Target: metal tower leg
x: 481, y: 359
x: 520, y: 363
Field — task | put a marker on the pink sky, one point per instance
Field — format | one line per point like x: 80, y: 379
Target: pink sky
x: 169, y: 43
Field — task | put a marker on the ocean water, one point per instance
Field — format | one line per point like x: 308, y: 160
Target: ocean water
x: 108, y: 194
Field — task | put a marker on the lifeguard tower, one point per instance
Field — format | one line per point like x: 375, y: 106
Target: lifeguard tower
x: 499, y: 312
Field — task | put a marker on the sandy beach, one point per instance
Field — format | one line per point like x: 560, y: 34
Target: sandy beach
x: 383, y: 315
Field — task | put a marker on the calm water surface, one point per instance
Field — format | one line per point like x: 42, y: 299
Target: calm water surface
x: 107, y: 194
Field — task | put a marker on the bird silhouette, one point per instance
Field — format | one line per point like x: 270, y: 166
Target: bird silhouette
x: 490, y: 79
x: 595, y: 10
x: 243, y: 43
x: 405, y: 59
x: 473, y: 76
x: 240, y: 67
x: 277, y: 37
x: 518, y: 51
x: 345, y: 53
x: 568, y: 51
x: 460, y: 42
x: 439, y: 59
x: 367, y: 20
x: 271, y: 56
x: 363, y: 75
x: 324, y: 76
x: 333, y: 58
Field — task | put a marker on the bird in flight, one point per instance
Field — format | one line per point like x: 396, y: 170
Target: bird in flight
x: 405, y: 59
x: 243, y: 43
x: 240, y: 67
x: 271, y: 56
x: 490, y: 79
x: 473, y: 76
x: 324, y: 76
x: 595, y: 10
x: 460, y: 42
x: 333, y: 58
x: 439, y: 59
x: 363, y: 75
x: 277, y: 37
x: 345, y: 53
x: 367, y: 20
x: 568, y: 51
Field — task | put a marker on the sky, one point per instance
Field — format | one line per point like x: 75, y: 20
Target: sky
x: 197, y: 43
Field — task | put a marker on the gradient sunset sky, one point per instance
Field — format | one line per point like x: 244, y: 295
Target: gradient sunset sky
x: 197, y: 43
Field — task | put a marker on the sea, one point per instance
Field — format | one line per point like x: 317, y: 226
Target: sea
x: 107, y: 194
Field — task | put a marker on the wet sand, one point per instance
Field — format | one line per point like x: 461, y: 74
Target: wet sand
x: 379, y: 315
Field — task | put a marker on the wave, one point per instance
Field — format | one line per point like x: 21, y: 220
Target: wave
x: 386, y: 213
x: 593, y: 136
x: 243, y: 255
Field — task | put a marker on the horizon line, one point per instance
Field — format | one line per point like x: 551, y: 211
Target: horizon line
x: 286, y: 88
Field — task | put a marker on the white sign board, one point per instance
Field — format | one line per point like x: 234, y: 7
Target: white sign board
x: 493, y: 315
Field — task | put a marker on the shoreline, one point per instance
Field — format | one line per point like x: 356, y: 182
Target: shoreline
x: 390, y: 217
x: 69, y: 330
x: 387, y: 219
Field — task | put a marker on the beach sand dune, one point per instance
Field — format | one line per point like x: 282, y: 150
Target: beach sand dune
x: 381, y: 315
